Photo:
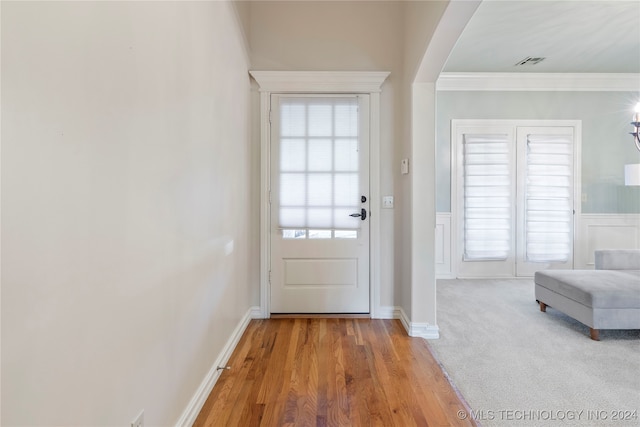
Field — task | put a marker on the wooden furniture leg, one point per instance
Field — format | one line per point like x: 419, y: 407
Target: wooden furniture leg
x: 543, y: 307
x: 595, y: 334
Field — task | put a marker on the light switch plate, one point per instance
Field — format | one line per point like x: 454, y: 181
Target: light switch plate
x: 404, y: 166
x: 387, y: 202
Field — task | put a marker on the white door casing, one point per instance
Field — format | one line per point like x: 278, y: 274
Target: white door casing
x: 320, y: 82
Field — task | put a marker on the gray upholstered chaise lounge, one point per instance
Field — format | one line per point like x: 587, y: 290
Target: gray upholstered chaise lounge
x: 605, y: 298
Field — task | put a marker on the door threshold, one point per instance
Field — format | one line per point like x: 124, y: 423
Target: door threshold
x: 320, y: 316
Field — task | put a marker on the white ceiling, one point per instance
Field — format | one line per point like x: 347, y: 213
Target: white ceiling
x: 574, y: 37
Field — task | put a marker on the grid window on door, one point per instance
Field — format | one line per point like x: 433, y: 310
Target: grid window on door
x: 319, y: 168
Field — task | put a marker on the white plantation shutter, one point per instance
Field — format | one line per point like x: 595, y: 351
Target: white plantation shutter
x: 548, y: 199
x: 319, y: 162
x: 487, y: 197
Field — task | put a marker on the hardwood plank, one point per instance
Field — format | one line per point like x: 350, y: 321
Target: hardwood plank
x: 337, y: 397
x: 332, y: 372
x: 277, y: 375
x: 392, y: 369
x: 219, y: 396
x: 308, y: 404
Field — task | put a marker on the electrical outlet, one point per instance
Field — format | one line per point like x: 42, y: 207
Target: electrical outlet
x: 139, y: 421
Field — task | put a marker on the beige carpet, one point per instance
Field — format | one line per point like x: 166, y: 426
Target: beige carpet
x: 517, y: 366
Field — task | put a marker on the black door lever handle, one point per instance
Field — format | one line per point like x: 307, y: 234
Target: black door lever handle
x: 362, y: 214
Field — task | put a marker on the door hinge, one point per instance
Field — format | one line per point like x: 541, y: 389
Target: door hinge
x: 269, y: 276
x: 269, y: 116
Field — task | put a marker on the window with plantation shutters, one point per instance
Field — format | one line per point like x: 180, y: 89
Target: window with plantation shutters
x: 487, y: 197
x: 513, y: 195
x: 548, y: 200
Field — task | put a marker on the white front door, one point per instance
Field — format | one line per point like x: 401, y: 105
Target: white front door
x: 319, y: 194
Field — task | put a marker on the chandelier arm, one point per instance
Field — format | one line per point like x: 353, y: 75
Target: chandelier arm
x: 636, y: 134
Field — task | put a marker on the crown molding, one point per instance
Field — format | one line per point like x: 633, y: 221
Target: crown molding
x: 320, y: 81
x: 605, y: 82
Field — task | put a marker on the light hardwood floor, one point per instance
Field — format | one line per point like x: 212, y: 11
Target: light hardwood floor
x: 332, y: 372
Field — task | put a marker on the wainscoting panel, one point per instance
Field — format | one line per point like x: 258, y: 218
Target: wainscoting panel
x: 604, y: 231
x: 593, y: 231
x: 443, y: 246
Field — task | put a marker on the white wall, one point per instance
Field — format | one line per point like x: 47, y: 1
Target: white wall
x: 125, y: 206
x: 420, y: 21
x: 450, y: 25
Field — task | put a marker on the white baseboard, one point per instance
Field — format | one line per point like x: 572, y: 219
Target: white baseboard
x: 388, y: 312
x: 404, y: 320
x: 256, y: 313
x: 192, y: 410
x: 420, y: 330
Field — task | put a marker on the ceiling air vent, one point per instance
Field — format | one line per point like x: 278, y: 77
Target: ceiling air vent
x: 529, y: 61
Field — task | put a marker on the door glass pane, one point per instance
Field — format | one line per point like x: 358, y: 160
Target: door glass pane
x: 320, y: 115
x: 346, y: 121
x: 293, y: 121
x: 346, y: 155
x: 319, y: 234
x: 346, y: 234
x: 320, y: 155
x: 294, y: 234
x: 320, y: 217
x: 292, y: 157
x: 348, y: 185
x: 292, y: 189
x: 320, y: 190
x: 319, y: 159
x: 293, y: 215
